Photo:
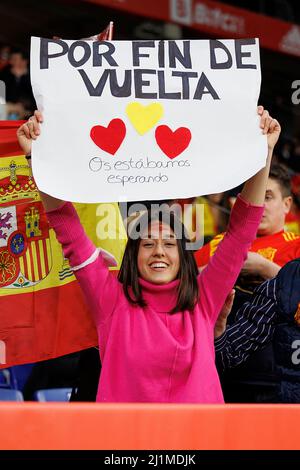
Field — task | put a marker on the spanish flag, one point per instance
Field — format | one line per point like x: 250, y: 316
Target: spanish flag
x: 42, y: 311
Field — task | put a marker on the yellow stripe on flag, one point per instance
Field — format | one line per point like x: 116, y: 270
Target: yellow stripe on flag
x: 28, y: 260
x: 22, y: 268
x: 43, y: 267
x: 48, y: 248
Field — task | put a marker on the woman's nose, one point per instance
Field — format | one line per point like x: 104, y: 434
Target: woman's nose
x: 159, y: 249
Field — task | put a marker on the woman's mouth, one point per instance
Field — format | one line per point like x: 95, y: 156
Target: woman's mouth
x: 158, y: 266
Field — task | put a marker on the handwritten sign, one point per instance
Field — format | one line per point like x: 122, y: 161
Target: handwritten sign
x: 146, y: 119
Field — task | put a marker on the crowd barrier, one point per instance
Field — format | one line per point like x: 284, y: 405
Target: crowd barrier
x: 87, y: 426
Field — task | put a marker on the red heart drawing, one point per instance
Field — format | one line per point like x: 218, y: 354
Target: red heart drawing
x: 172, y: 143
x: 109, y: 138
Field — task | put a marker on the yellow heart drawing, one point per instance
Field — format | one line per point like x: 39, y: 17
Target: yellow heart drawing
x: 143, y: 118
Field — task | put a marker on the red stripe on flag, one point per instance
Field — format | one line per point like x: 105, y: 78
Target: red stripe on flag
x: 9, y: 145
x: 36, y: 326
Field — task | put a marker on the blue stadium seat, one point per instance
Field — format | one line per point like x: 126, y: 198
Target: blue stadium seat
x: 5, y: 379
x: 19, y: 375
x: 7, y: 394
x: 15, y: 377
x: 53, y: 394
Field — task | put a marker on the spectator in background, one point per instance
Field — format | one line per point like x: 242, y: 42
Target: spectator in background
x: 272, y: 248
x: 292, y: 221
x: 215, y: 216
x: 4, y: 56
x: 19, y: 95
x: 258, y: 355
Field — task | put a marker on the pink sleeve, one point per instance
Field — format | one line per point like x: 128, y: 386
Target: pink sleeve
x: 220, y: 275
x: 101, y: 289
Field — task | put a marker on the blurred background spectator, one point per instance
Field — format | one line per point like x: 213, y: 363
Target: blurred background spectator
x: 4, y: 56
x: 19, y: 96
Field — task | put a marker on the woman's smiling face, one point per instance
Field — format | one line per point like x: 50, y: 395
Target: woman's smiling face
x: 158, y: 255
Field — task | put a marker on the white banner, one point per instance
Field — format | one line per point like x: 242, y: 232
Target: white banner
x: 137, y: 120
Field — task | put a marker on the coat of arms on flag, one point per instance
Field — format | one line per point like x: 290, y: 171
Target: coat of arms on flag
x: 25, y: 251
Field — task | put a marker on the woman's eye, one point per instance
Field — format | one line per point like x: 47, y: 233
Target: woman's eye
x: 147, y: 244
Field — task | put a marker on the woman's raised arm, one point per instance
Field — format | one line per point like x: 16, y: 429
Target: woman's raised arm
x: 255, y: 188
x: 26, y: 134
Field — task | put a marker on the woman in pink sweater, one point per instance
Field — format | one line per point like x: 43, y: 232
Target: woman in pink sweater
x: 156, y: 321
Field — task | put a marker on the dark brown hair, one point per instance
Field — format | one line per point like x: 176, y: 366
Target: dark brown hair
x: 281, y: 176
x: 187, y: 295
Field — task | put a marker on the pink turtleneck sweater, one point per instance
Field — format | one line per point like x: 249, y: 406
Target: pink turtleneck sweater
x: 147, y: 354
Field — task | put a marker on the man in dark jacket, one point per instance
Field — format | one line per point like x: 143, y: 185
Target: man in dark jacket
x: 258, y: 356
